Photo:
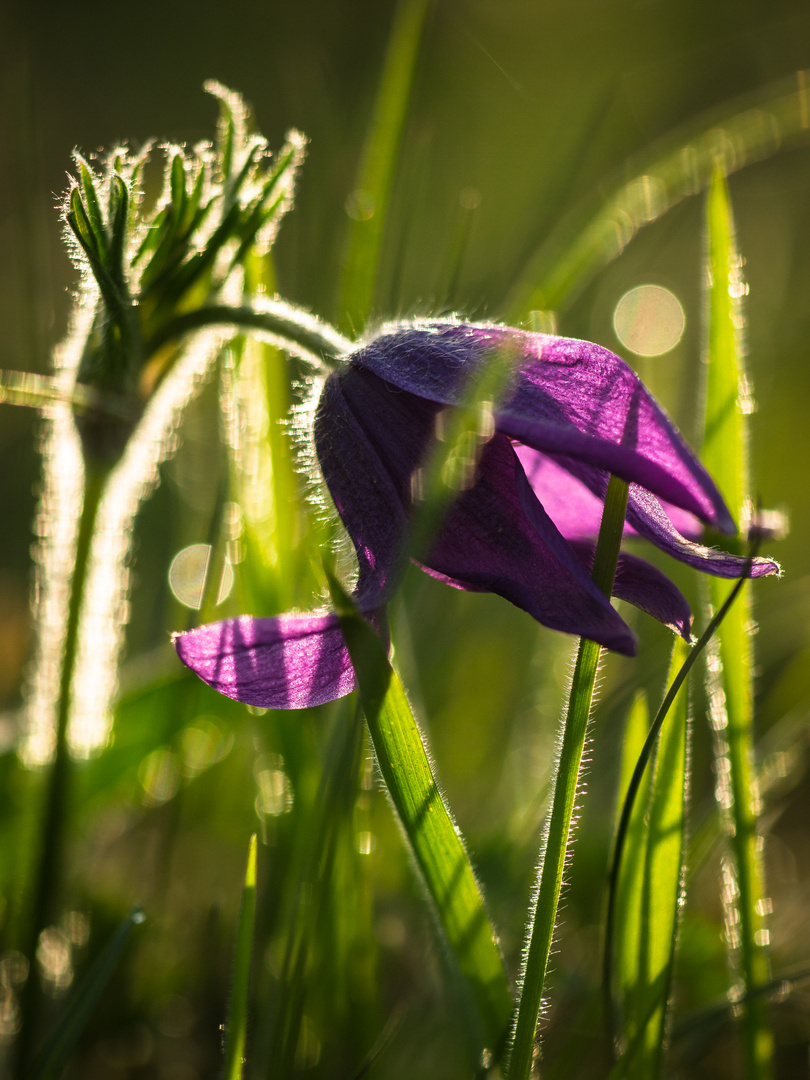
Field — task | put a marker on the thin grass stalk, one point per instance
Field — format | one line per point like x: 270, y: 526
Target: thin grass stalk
x: 555, y: 849
x: 240, y: 988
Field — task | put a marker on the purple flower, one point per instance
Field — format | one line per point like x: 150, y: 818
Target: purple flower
x: 573, y: 414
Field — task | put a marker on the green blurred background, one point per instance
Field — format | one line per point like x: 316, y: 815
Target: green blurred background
x: 522, y: 115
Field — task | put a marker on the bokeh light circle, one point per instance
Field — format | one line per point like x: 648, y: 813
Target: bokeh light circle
x: 188, y: 573
x: 649, y: 320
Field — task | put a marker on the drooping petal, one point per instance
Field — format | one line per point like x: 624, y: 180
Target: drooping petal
x: 645, y: 587
x: 495, y: 538
x: 286, y: 662
x: 365, y: 488
x: 578, y: 505
x: 574, y: 508
x: 498, y: 538
x: 648, y: 518
x: 570, y: 397
x: 577, y: 513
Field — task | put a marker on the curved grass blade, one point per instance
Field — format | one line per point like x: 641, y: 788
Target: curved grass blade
x: 433, y: 838
x: 52, y: 1058
x: 236, y: 1025
x: 729, y: 672
x: 593, y: 236
x: 368, y: 203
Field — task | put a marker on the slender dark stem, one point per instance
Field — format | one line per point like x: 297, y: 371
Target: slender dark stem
x: 566, y: 782
x: 274, y: 317
x: 48, y: 872
x: 632, y: 792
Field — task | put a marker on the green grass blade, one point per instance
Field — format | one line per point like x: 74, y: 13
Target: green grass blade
x: 238, y: 1006
x: 663, y: 872
x: 281, y: 567
x: 592, y: 236
x: 635, y: 784
x: 649, y: 883
x: 51, y: 1060
x: 725, y: 453
x: 433, y: 838
x: 369, y: 200
x: 630, y: 882
x: 725, y: 449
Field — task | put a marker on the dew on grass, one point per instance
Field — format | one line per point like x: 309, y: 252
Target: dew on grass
x: 76, y: 925
x: 308, y: 1051
x: 203, y: 744
x: 13, y: 970
x: 275, y: 792
x: 366, y: 842
x: 54, y: 956
x: 159, y: 776
x: 9, y: 1015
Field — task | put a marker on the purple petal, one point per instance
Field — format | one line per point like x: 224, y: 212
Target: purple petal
x: 286, y: 662
x: 368, y: 479
x: 571, y: 398
x: 647, y: 588
x: 498, y: 538
x: 648, y: 518
x: 573, y: 508
x: 580, y: 505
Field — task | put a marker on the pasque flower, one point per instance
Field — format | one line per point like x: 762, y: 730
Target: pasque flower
x: 572, y: 414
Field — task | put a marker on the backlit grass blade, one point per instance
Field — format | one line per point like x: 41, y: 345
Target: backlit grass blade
x: 725, y: 453
x: 368, y: 203
x: 52, y: 1059
x: 40, y: 391
x: 594, y: 235
x: 629, y: 885
x: 236, y: 1026
x: 649, y: 883
x: 433, y: 838
x: 728, y: 398
x: 280, y: 568
x: 663, y: 875
x: 635, y: 785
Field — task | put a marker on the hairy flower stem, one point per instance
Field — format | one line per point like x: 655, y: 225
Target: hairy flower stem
x: 48, y: 870
x: 566, y: 781
x: 274, y: 317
